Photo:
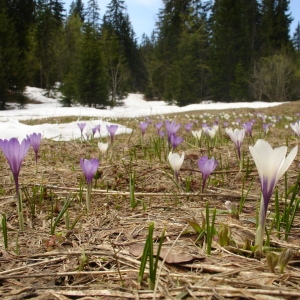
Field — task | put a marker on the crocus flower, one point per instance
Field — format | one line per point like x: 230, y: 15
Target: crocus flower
x: 237, y: 136
x: 206, y: 166
x: 35, y: 141
x: 143, y: 127
x: 158, y: 126
x: 197, y: 134
x: 112, y: 131
x: 172, y: 128
x: 81, y: 127
x: 89, y: 133
x: 103, y: 147
x: 94, y: 130
x: 296, y: 127
x: 248, y: 128
x: 176, y: 162
x: 15, y: 152
x: 89, y: 168
x: 271, y: 164
x: 175, y: 140
x: 188, y: 126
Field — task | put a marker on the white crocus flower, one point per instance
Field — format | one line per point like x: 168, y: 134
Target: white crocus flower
x: 237, y: 136
x: 176, y: 162
x: 271, y: 164
x: 102, y: 147
x: 296, y: 127
x: 197, y: 134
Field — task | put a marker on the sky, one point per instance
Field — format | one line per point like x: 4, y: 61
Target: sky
x: 143, y: 13
x: 134, y: 106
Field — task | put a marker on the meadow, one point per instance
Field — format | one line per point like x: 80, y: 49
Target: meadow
x: 206, y: 245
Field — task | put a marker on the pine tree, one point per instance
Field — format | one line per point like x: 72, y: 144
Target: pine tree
x: 233, y: 48
x: 77, y: 8
x: 275, y: 23
x: 296, y: 39
x: 92, y: 83
x: 11, y: 75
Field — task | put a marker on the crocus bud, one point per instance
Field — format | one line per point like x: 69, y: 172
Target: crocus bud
x: 223, y: 235
x: 284, y: 258
x: 272, y: 260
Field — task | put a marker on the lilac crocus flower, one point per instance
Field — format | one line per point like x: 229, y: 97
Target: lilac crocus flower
x: 175, y: 140
x: 15, y: 152
x: 206, y: 166
x: 172, y: 128
x: 159, y: 125
x: 188, y: 126
x: 248, y: 128
x: 35, y: 141
x: 271, y: 164
x: 237, y: 136
x: 296, y: 127
x: 81, y: 127
x: 94, y: 130
x: 143, y: 127
x: 89, y: 168
x: 112, y: 131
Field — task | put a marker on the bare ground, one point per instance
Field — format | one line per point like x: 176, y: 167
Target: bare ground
x: 96, y: 255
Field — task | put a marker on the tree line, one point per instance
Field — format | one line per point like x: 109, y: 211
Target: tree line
x: 221, y: 50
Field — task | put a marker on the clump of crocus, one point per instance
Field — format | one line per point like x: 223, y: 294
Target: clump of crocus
x: 197, y: 134
x: 176, y: 162
x: 15, y: 152
x: 237, y: 136
x: 271, y: 164
x: 89, y: 168
x: 206, y: 166
x: 35, y: 141
x: 112, y: 131
x: 296, y: 128
x: 81, y: 127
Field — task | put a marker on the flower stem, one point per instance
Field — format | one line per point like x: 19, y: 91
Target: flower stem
x: 88, y: 196
x: 259, y: 236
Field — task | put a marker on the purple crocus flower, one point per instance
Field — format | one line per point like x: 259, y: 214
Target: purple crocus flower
x: 206, y: 166
x: 112, y: 130
x: 98, y: 128
x: 15, y: 152
x: 94, y: 130
x: 143, y: 127
x: 172, y: 128
x: 81, y: 126
x: 158, y: 126
x: 271, y: 164
x: 89, y: 168
x: 188, y: 126
x: 266, y: 127
x: 175, y: 140
x: 248, y: 128
x: 35, y: 141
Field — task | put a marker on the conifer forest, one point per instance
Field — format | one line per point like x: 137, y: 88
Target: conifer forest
x: 222, y: 50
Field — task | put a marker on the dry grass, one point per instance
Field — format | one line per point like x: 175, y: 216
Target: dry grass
x: 37, y: 265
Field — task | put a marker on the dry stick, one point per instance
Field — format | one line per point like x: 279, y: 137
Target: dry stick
x: 117, y: 193
x: 33, y: 265
x: 163, y: 262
